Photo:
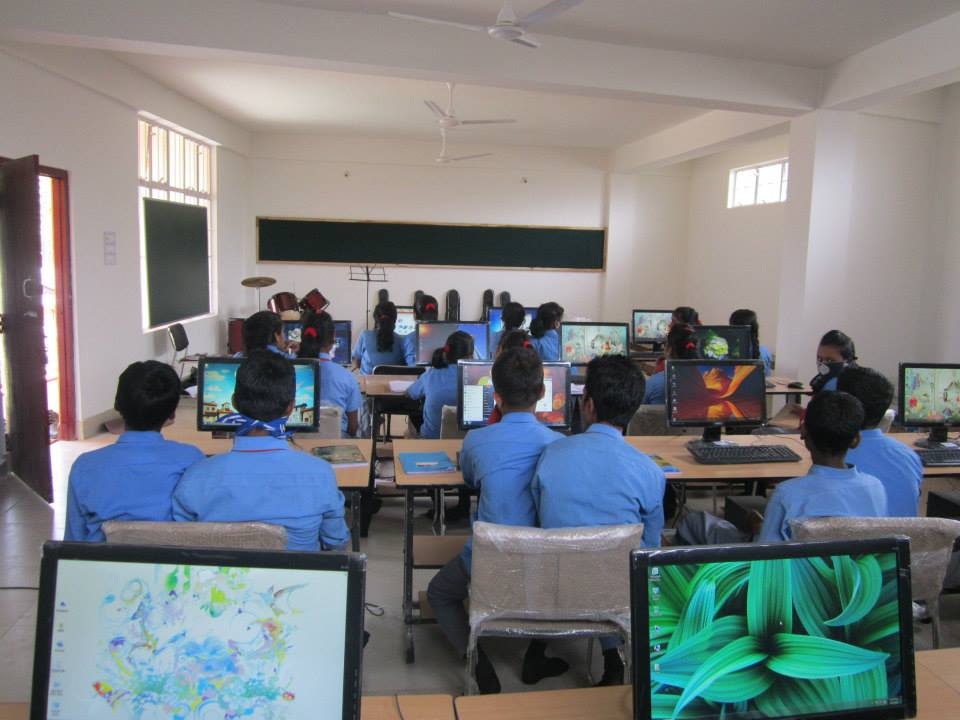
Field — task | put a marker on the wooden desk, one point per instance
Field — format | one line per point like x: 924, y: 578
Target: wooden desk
x: 379, y: 385
x: 780, y: 388
x: 450, y: 447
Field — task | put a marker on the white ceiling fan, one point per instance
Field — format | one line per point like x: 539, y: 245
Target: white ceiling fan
x: 444, y: 159
x: 508, y: 26
x: 448, y: 120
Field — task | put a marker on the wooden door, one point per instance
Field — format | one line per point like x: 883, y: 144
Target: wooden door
x: 23, y: 323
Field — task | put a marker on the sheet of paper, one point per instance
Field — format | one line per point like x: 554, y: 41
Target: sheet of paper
x: 400, y: 386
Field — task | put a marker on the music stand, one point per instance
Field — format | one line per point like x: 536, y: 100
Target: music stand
x: 368, y: 274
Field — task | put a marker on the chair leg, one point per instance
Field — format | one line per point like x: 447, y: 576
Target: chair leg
x: 590, y: 678
x: 933, y: 608
x: 470, y: 686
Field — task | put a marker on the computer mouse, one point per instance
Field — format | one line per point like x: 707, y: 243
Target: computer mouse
x: 770, y: 385
x: 795, y: 385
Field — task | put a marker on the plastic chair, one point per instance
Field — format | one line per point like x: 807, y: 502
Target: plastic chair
x: 887, y: 421
x: 243, y: 535
x: 449, y: 428
x: 931, y: 545
x: 564, y: 583
x: 180, y: 341
x: 329, y: 424
x: 652, y: 420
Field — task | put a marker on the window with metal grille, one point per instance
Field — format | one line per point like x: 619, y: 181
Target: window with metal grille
x: 758, y: 184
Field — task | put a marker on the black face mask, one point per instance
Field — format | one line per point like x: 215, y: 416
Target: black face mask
x: 826, y: 371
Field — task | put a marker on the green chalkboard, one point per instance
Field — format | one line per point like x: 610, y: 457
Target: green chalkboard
x: 178, y: 263
x: 387, y: 243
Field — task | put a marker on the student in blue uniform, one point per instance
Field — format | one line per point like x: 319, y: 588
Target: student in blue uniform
x: 426, y: 309
x: 831, y: 488
x: 679, y: 346
x: 890, y: 461
x: 338, y: 386
x: 682, y: 315
x: 760, y: 352
x: 438, y: 385
x: 545, y: 330
x: 264, y: 331
x: 512, y: 317
x: 382, y: 346
x: 499, y: 461
x: 596, y: 478
x: 835, y: 354
x: 134, y: 478
x: 263, y: 479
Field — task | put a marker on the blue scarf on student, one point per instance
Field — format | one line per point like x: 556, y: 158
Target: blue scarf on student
x: 245, y: 425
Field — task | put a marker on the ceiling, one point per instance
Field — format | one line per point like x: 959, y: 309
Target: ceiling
x: 808, y: 33
x: 269, y: 98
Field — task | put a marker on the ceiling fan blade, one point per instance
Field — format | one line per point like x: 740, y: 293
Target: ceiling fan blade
x: 437, y: 21
x: 434, y: 108
x: 549, y: 11
x: 469, y: 157
x: 487, y: 122
x: 527, y: 40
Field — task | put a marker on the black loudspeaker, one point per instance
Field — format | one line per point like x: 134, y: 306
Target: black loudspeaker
x: 383, y: 295
x: 416, y: 298
x: 504, y: 297
x: 487, y: 304
x: 453, y: 306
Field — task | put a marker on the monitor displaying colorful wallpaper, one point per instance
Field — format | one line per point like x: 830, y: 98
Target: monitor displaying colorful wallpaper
x: 582, y: 342
x: 929, y: 394
x: 704, y: 393
x: 723, y: 342
x: 651, y: 326
x: 475, y: 397
x: 433, y: 335
x: 406, y: 320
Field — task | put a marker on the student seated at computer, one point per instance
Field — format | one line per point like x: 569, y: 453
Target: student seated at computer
x: 134, y: 478
x: 545, y: 331
x: 890, y: 461
x: 338, y: 386
x: 512, y: 317
x: 426, y: 309
x: 749, y: 318
x: 596, y: 478
x: 835, y: 353
x: 382, y: 346
x: 682, y: 315
x: 499, y: 460
x: 264, y: 331
x: 679, y: 346
x: 262, y: 478
x: 509, y: 340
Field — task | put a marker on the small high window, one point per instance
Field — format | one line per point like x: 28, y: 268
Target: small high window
x: 758, y: 184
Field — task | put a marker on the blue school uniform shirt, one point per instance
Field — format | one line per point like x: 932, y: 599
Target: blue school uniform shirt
x: 288, y: 354
x: 370, y: 357
x: 438, y: 387
x: 655, y: 391
x: 767, y: 360
x: 133, y: 479
x: 822, y: 492
x: 596, y: 478
x: 895, y: 465
x: 499, y: 460
x: 547, y: 346
x: 338, y: 387
x: 263, y: 479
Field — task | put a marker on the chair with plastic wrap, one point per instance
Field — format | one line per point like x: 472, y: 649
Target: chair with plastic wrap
x: 931, y: 545
x: 329, y: 424
x: 242, y: 535
x: 652, y: 420
x: 564, y: 583
x: 449, y: 428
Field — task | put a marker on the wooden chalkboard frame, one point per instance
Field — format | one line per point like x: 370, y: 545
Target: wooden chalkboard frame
x: 302, y: 261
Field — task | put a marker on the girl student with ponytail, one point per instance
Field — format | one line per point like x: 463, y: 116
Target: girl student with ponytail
x: 545, y: 329
x: 679, y: 346
x: 438, y: 385
x: 508, y: 340
x: 760, y: 352
x: 338, y: 386
x: 382, y: 346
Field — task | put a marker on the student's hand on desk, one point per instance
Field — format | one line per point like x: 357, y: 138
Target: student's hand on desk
x: 293, y: 346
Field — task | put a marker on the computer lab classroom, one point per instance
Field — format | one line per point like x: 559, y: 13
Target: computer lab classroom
x: 169, y: 169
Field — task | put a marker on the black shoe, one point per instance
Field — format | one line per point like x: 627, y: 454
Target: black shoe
x: 537, y: 666
x: 612, y: 669
x: 487, y: 680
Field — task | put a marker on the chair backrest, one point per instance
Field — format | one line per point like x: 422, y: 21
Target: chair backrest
x: 523, y: 573
x: 178, y: 336
x: 329, y: 421
x: 244, y: 535
x: 887, y: 421
x: 399, y: 370
x: 651, y: 420
x: 449, y: 428
x: 931, y: 542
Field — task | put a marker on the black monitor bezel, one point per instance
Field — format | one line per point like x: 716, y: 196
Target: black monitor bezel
x: 567, y: 420
x: 740, y: 328
x: 349, y: 343
x: 902, y: 396
x: 413, y: 310
x: 750, y: 422
x: 641, y: 560
x: 354, y: 564
x: 225, y: 427
x: 626, y: 347
x: 646, y: 341
x: 416, y: 346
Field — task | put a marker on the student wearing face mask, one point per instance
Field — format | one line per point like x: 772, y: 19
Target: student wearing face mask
x: 835, y: 354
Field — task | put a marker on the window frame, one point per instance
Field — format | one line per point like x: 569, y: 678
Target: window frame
x: 734, y: 174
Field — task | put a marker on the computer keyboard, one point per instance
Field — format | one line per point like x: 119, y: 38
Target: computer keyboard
x: 942, y: 457
x: 711, y: 454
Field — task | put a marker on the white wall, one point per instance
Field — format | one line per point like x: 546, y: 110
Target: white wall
x: 733, y: 255
x: 949, y: 216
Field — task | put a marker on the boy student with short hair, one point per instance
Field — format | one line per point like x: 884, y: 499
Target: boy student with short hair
x: 499, y: 460
x: 831, y: 488
x: 338, y: 386
x: 596, y: 478
x: 264, y: 331
x: 263, y: 479
x: 134, y: 478
x: 891, y: 462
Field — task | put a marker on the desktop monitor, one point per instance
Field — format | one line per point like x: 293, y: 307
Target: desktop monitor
x: 930, y: 398
x: 723, y: 342
x: 406, y: 320
x: 128, y: 631
x: 475, y: 394
x: 495, y: 318
x: 781, y: 630
x: 714, y: 394
x: 581, y: 342
x: 343, y: 334
x: 433, y: 335
x: 292, y: 331
x: 651, y: 326
x: 217, y: 379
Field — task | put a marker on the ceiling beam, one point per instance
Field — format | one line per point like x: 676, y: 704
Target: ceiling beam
x: 377, y: 44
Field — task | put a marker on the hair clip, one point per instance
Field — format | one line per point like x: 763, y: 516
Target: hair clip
x: 446, y: 348
x: 526, y: 344
x: 430, y: 306
x: 310, y: 332
x: 691, y: 346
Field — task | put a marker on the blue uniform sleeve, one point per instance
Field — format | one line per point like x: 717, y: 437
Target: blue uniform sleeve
x: 354, y: 400
x: 359, y: 348
x: 418, y: 389
x: 410, y: 349
x: 652, y: 512
x: 180, y: 503
x: 76, y: 529
x: 536, y: 488
x: 333, y: 528
x: 468, y: 465
x: 774, y: 518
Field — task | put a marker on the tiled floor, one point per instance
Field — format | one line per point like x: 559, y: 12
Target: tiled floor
x: 26, y: 522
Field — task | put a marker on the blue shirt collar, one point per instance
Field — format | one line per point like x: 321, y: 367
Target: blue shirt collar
x: 829, y: 472
x: 325, y: 356
x: 519, y: 417
x: 871, y: 433
x: 258, y: 443
x: 140, y: 436
x: 604, y: 429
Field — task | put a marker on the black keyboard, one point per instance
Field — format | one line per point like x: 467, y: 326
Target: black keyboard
x: 710, y: 454
x: 944, y: 457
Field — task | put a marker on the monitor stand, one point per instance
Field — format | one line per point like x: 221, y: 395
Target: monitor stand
x: 711, y: 436
x: 935, y: 440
